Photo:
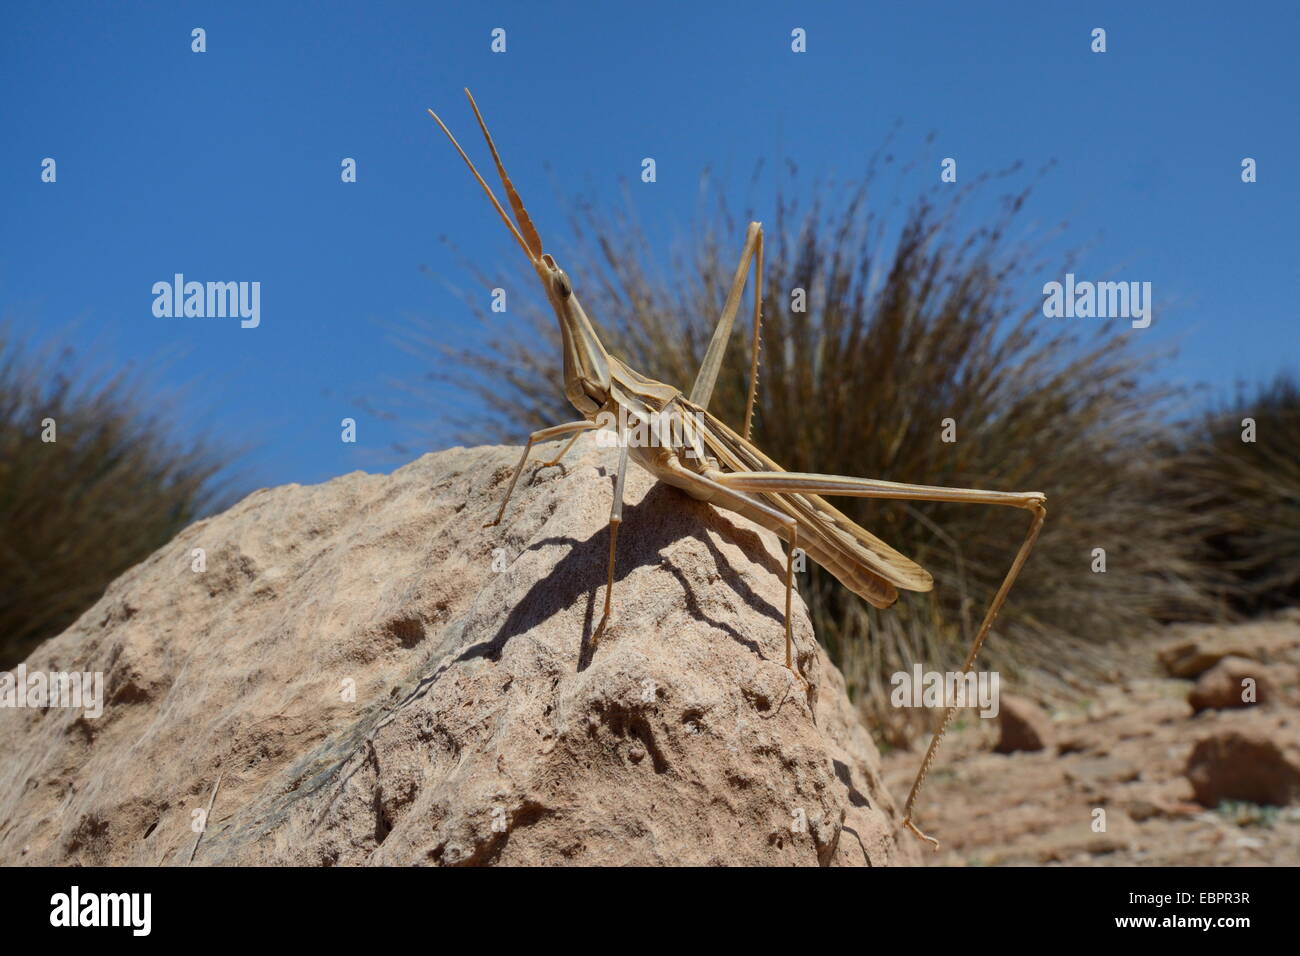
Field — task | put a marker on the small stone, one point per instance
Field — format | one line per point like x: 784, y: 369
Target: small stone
x: 1248, y: 764
x: 1024, y: 725
x: 1189, y: 659
x: 1224, y: 685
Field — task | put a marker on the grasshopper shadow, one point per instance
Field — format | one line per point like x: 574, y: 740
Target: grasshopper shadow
x: 664, y: 516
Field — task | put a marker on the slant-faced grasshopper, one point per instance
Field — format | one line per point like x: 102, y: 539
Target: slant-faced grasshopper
x: 697, y: 453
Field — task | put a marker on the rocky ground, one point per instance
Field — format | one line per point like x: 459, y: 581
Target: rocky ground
x: 1184, y: 773
x: 362, y: 672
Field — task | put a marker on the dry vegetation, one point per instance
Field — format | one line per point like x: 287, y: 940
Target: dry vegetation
x: 1245, y: 495
x: 78, y: 511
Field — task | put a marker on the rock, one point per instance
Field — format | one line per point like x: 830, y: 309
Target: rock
x: 1024, y: 726
x: 1159, y: 799
x: 1259, y: 763
x: 1223, y: 685
x: 1094, y: 773
x: 1075, y: 742
x: 1141, y: 809
x: 380, y: 679
x: 1190, y: 659
x: 1268, y: 640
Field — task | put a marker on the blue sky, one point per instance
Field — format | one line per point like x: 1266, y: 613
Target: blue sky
x: 225, y: 165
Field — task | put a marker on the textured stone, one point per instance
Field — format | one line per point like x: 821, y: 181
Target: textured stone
x: 1024, y: 726
x: 372, y: 690
x: 1223, y: 685
x: 1257, y: 764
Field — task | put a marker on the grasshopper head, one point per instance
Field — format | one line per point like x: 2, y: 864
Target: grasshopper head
x: 586, y: 364
x: 555, y: 281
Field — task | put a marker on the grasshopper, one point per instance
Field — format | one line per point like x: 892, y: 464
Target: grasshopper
x: 694, y: 451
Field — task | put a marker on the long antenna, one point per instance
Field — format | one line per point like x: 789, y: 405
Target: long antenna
x: 517, y: 204
x: 486, y: 188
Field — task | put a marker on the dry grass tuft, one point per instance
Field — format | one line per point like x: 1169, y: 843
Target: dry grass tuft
x: 1245, y: 495
x: 908, y: 324
x: 77, y: 512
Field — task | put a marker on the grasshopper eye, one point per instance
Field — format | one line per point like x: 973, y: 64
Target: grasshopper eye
x: 562, y: 287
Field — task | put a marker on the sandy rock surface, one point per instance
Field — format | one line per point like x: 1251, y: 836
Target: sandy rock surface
x: 377, y: 678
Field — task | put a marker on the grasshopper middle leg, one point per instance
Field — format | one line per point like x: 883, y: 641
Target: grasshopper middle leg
x: 544, y: 434
x: 615, y: 519
x: 708, y: 489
